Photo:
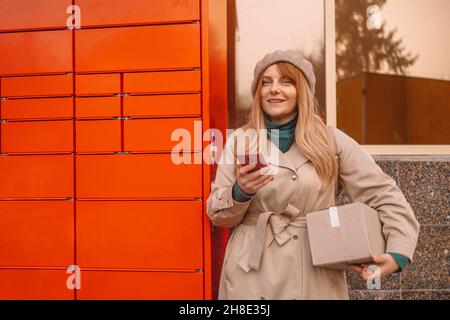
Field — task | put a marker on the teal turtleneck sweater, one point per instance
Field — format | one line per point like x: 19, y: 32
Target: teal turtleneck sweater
x: 284, y: 132
x: 286, y: 135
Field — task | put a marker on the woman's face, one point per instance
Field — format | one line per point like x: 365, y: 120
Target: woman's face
x: 278, y: 96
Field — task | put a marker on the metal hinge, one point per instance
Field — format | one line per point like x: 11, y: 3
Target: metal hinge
x: 121, y: 152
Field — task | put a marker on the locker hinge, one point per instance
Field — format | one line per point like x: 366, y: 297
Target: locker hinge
x: 121, y: 152
x: 121, y: 94
x: 121, y: 118
x: 71, y: 198
x: 196, y: 199
x: 196, y: 69
x: 198, y: 270
x: 3, y: 154
x: 196, y: 21
x: 3, y: 98
x: 3, y: 121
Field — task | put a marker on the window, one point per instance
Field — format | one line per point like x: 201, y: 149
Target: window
x: 263, y: 26
x: 392, y: 73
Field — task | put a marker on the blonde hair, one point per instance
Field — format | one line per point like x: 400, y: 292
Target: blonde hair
x: 311, y: 133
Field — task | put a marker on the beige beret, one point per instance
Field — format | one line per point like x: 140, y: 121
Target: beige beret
x: 292, y: 56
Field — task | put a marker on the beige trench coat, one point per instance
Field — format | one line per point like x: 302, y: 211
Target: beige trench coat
x: 275, y: 262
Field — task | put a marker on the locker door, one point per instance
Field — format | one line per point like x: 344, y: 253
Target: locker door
x: 36, y: 52
x: 30, y: 109
x: 25, y: 14
x: 139, y: 234
x: 52, y: 176
x: 34, y: 284
x: 162, y: 82
x: 37, y: 86
x: 156, y: 134
x: 162, y: 105
x: 36, y: 233
x: 97, y: 84
x: 138, y: 48
x: 37, y: 136
x: 141, y: 285
x: 98, y: 136
x: 119, y: 12
x: 136, y: 176
x: 97, y: 107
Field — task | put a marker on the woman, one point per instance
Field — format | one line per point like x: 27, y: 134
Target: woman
x: 275, y: 262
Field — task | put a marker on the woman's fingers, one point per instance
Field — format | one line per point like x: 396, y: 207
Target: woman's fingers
x: 257, y: 184
x: 259, y: 180
x: 264, y: 182
x: 243, y: 170
x: 372, y: 271
x: 354, y: 267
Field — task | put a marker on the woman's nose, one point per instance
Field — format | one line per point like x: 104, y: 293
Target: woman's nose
x: 275, y: 88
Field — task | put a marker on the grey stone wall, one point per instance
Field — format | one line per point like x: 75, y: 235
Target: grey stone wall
x: 425, y: 182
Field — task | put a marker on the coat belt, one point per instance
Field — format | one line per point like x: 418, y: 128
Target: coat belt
x: 264, y: 237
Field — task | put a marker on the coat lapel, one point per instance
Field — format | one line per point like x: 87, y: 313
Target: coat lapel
x: 296, y: 156
x: 293, y: 159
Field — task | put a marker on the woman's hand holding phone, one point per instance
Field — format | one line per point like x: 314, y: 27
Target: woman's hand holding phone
x: 250, y: 181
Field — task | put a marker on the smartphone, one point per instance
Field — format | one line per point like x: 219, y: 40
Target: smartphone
x: 252, y: 158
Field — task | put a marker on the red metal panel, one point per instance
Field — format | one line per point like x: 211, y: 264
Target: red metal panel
x: 37, y: 86
x: 52, y: 176
x: 119, y: 12
x: 26, y: 14
x: 136, y: 176
x: 36, y: 52
x: 27, y: 109
x: 138, y: 48
x: 162, y: 105
x: 37, y: 136
x: 156, y: 134
x: 135, y: 234
x: 29, y: 284
x: 162, y: 82
x: 98, y: 136
x: 36, y: 233
x: 97, y: 84
x: 104, y: 107
x: 141, y: 285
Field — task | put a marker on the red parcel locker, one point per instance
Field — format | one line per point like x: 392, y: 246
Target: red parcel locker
x: 134, y: 71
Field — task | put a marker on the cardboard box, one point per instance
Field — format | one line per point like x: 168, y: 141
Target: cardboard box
x: 347, y: 234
